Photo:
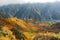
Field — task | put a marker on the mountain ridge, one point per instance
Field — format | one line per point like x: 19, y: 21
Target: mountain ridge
x: 37, y: 11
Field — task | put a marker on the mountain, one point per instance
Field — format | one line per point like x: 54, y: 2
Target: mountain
x: 36, y: 11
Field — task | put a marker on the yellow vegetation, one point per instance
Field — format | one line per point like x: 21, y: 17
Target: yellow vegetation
x: 23, y: 27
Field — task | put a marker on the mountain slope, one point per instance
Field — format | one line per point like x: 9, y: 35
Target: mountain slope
x: 37, y: 11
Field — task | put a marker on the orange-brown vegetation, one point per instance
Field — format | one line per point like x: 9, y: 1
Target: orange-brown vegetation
x: 26, y: 30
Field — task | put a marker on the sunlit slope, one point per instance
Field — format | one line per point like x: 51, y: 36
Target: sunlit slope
x: 15, y: 27
x: 20, y: 23
x: 6, y: 34
x: 15, y: 22
x: 22, y: 26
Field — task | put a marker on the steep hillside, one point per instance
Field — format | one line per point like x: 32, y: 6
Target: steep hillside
x: 37, y: 11
x: 17, y: 29
x: 14, y: 25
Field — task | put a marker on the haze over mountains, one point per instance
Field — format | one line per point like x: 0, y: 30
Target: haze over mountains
x: 37, y: 11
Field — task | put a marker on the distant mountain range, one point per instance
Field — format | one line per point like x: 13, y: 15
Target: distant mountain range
x: 37, y: 11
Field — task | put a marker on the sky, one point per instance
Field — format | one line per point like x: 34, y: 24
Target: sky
x: 3, y: 2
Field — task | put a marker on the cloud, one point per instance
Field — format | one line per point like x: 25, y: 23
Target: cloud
x: 4, y: 2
